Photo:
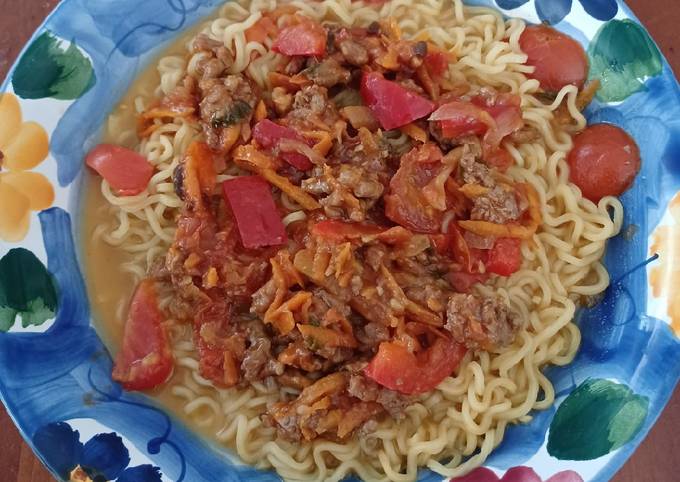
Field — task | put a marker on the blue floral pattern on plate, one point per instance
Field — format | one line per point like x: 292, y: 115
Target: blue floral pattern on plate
x: 50, y: 378
x: 554, y: 11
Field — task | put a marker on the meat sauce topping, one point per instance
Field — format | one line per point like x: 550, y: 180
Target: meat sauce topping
x: 390, y: 179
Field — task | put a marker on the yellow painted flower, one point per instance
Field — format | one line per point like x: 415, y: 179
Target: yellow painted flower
x: 23, y: 146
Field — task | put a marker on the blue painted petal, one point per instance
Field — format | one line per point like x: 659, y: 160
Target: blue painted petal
x: 553, y: 11
x: 601, y: 9
x: 105, y: 455
x: 141, y: 473
x: 510, y: 4
x: 59, y: 445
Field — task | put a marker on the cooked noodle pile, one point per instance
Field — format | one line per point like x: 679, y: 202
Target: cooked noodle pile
x: 455, y: 427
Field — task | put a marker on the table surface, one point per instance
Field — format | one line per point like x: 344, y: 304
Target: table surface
x: 18, y: 464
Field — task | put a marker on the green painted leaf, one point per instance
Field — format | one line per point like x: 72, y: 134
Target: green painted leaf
x: 48, y: 69
x: 26, y: 289
x: 598, y: 417
x: 622, y: 57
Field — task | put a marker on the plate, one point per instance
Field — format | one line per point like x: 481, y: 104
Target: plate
x: 55, y: 371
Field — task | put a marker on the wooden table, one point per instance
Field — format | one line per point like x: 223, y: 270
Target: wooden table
x: 662, y: 17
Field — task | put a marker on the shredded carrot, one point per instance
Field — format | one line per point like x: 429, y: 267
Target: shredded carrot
x: 415, y: 132
x: 425, y: 79
x: 230, y: 137
x: 324, y: 142
x: 144, y: 130
x: 163, y: 113
x: 231, y: 370
x: 329, y: 385
x: 250, y: 158
x: 200, y: 157
x: 325, y: 337
x: 260, y: 111
x: 282, y: 316
x: 291, y: 84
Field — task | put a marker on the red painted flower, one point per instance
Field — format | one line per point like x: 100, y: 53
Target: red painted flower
x: 516, y: 474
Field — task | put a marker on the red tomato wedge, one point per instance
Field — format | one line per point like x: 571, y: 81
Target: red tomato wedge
x: 268, y: 134
x: 126, y: 171
x: 406, y: 203
x: 507, y: 114
x: 505, y: 258
x: 306, y: 39
x: 145, y: 360
x: 604, y: 161
x: 459, y: 118
x: 257, y: 218
x: 558, y: 59
x: 494, y: 117
x: 340, y: 231
x: 393, y: 105
x: 396, y: 368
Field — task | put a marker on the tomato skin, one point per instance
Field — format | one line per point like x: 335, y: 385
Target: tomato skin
x: 306, y: 39
x: 145, y: 359
x: 393, y: 105
x: 603, y: 162
x: 257, y: 218
x: 125, y: 170
x: 558, y: 59
x: 396, y: 368
x: 505, y: 258
x: 268, y: 134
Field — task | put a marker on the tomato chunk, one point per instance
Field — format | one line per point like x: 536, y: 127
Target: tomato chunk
x: 604, y: 161
x: 558, y: 59
x: 257, y: 218
x: 406, y: 203
x: 145, y: 360
x: 126, y: 171
x: 437, y: 63
x: 396, y: 368
x: 459, y: 118
x: 268, y: 134
x: 505, y: 258
x: 340, y: 231
x: 306, y: 39
x: 393, y: 105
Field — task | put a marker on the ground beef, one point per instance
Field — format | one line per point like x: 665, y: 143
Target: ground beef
x: 217, y: 63
x: 328, y: 73
x: 497, y: 206
x: 354, y: 53
x: 263, y: 298
x: 473, y: 172
x: 481, y: 322
x: 368, y: 391
x: 372, y: 334
x: 225, y: 102
x: 258, y: 362
x: 311, y: 108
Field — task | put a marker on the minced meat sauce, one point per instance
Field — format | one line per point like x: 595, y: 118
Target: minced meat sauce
x: 378, y: 273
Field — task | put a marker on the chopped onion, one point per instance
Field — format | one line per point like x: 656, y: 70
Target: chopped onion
x: 479, y: 242
x: 448, y: 217
x: 294, y: 217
